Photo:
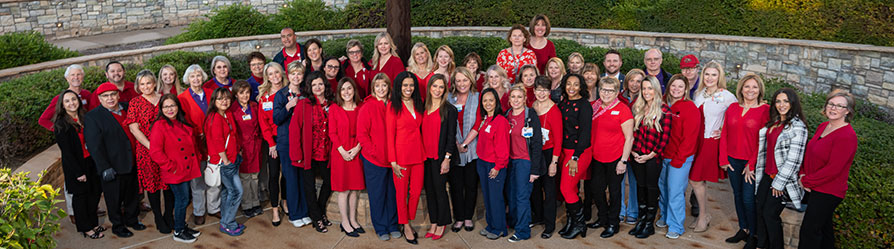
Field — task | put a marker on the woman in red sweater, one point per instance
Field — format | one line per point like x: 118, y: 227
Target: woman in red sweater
x: 738, y: 150
x: 493, y: 157
x: 321, y: 97
x: 473, y: 63
x: 174, y: 149
x: 527, y: 78
x: 385, y: 59
x: 274, y: 79
x: 612, y: 141
x: 678, y: 155
x: 224, y: 154
x: 245, y: 111
x: 829, y: 156
x: 376, y: 172
x: 347, y: 171
x: 543, y: 197
x: 404, y: 148
x: 194, y: 104
x: 543, y: 48
x: 439, y: 123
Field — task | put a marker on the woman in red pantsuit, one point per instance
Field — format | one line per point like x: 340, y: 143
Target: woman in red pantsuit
x: 347, y: 171
x: 385, y: 59
x: 404, y: 148
x: 143, y: 112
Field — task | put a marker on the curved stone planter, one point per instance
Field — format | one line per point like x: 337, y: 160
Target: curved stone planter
x: 813, y: 66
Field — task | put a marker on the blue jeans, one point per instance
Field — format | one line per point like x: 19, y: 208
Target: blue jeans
x: 294, y: 194
x: 230, y: 193
x: 673, y: 182
x: 520, y: 196
x: 181, y: 201
x: 492, y: 189
x: 743, y: 193
x: 382, y: 200
x: 629, y: 208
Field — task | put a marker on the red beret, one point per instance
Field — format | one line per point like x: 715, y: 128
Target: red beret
x: 688, y: 61
x: 105, y: 87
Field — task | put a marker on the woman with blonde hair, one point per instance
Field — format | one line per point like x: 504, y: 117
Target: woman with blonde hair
x: 385, y: 58
x: 420, y: 63
x: 575, y: 63
x: 169, y: 81
x: 274, y: 79
x: 443, y: 65
x: 499, y: 81
x: 555, y: 70
x: 652, y: 128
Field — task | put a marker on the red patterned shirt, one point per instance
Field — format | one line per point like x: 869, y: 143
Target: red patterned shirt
x: 647, y: 139
x: 512, y: 63
x: 322, y: 144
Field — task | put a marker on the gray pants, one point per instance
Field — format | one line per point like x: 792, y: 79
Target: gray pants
x: 202, y: 194
x: 249, y: 190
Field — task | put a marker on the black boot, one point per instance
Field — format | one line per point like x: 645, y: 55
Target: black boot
x: 568, y: 214
x: 648, y: 224
x: 751, y: 242
x: 639, y: 221
x: 578, y: 224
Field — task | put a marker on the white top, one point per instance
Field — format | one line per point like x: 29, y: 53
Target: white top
x: 713, y: 108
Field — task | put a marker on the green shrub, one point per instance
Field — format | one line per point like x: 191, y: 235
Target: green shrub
x: 183, y: 59
x: 29, y: 216
x: 230, y: 21
x: 303, y: 15
x: 25, y: 48
x: 363, y: 14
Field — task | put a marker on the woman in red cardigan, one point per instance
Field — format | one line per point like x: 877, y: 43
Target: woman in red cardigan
x: 376, y: 170
x: 194, y: 105
x: 404, y: 148
x: 385, y: 59
x: 678, y: 155
x: 543, y: 48
x: 174, y: 149
x: 224, y: 154
x: 347, y: 171
x: 246, y: 113
x: 828, y: 159
x: 301, y: 148
x: 738, y: 150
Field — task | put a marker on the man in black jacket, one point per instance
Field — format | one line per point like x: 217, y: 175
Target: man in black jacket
x: 291, y: 50
x: 108, y: 142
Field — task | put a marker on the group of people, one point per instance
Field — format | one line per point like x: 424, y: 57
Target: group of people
x: 531, y: 130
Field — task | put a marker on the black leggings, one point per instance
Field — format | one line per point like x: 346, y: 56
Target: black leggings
x: 817, y: 229
x: 604, y: 176
x: 543, y: 196
x: 769, y: 224
x: 162, y: 221
x: 436, y: 193
x: 273, y: 176
x: 647, y: 174
x: 464, y: 190
x: 309, y: 185
x: 321, y: 169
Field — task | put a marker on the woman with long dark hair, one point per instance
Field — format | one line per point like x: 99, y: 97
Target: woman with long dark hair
x: 320, y: 96
x: 439, y: 124
x: 299, y: 170
x: 404, y: 148
x: 81, y: 179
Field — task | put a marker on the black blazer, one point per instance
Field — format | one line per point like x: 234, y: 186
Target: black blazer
x: 535, y: 143
x: 74, y: 164
x: 447, y: 141
x: 107, y: 141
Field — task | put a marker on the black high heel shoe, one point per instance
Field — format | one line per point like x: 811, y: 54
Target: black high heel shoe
x: 326, y: 221
x: 456, y: 228
x: 351, y: 234
x: 320, y: 227
x: 415, y: 240
x: 95, y: 235
x: 359, y: 229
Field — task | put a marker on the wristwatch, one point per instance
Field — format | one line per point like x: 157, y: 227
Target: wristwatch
x: 465, y: 146
x: 446, y: 156
x: 574, y: 158
x: 625, y: 162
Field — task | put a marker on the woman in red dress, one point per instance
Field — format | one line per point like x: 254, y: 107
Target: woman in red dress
x: 143, y: 111
x: 245, y: 112
x: 385, y: 59
x: 347, y: 171
x: 542, y: 47
x: 473, y: 63
x: 404, y: 148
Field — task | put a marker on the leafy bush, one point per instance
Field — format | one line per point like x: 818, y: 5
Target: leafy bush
x: 363, y: 14
x: 25, y: 48
x: 303, y: 15
x: 230, y: 21
x: 28, y: 213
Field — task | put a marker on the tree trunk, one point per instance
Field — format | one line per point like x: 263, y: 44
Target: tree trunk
x: 397, y: 21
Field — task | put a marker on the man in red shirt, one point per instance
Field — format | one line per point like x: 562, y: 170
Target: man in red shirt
x: 115, y: 75
x: 291, y: 50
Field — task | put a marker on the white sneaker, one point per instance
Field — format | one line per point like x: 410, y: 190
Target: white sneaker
x: 307, y: 220
x: 184, y: 237
x: 298, y: 223
x: 672, y: 235
x: 661, y: 223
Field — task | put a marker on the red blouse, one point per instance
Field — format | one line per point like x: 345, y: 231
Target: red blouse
x: 480, y: 78
x: 544, y: 54
x: 403, y: 137
x: 828, y: 160
x: 371, y: 131
x: 88, y: 102
x: 772, y: 137
x: 551, y: 123
x: 320, y: 128
x: 361, y: 77
x: 249, y: 135
x: 518, y: 145
x: 493, y: 141
x: 512, y: 63
x: 431, y: 133
x: 217, y: 130
x: 265, y: 119
x: 392, y: 68
x: 739, y: 136
x: 607, y: 138
x: 684, y: 132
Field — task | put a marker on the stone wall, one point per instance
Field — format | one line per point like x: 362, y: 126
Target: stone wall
x: 59, y: 19
x: 813, y: 66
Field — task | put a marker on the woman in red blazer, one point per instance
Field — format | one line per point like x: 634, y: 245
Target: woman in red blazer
x: 347, y: 171
x: 385, y: 59
x: 404, y: 148
x: 245, y: 112
x: 194, y: 104
x: 224, y: 155
x: 173, y: 147
x: 376, y: 170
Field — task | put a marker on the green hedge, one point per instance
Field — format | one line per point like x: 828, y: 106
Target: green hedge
x: 853, y: 21
x: 25, y: 48
x: 230, y: 21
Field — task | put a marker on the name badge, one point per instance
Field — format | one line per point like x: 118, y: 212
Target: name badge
x: 83, y: 101
x: 527, y: 132
x: 246, y: 117
x: 459, y: 108
x: 487, y: 129
x: 268, y: 106
x: 615, y: 112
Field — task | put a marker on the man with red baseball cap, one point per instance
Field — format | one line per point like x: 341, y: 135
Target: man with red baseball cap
x: 689, y: 68
x: 109, y: 142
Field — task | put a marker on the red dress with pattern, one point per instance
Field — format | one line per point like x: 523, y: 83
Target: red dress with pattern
x: 512, y: 63
x: 143, y: 112
x: 322, y: 144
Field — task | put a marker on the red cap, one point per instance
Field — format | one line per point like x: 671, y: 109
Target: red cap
x: 105, y: 87
x: 688, y: 61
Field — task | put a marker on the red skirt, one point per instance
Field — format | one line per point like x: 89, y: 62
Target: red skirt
x: 346, y: 175
x: 706, y: 166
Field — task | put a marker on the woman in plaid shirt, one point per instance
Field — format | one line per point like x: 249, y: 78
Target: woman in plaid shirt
x: 652, y: 120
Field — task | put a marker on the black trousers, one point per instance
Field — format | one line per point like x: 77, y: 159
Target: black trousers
x: 769, y: 225
x: 543, y: 196
x: 647, y: 174
x: 816, y: 228
x: 464, y: 190
x: 309, y: 184
x: 122, y: 193
x: 321, y: 169
x: 164, y: 219
x: 84, y: 205
x: 436, y: 193
x: 588, y: 198
x: 604, y: 176
x: 276, y: 184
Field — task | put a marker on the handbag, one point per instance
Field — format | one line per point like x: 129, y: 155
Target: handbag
x: 212, y: 171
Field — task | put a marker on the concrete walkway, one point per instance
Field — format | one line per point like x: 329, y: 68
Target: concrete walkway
x: 88, y: 43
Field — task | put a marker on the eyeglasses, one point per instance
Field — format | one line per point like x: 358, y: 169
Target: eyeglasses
x: 169, y: 107
x: 107, y: 95
x: 331, y: 67
x: 256, y: 64
x: 606, y: 90
x: 355, y: 52
x: 541, y: 90
x: 835, y: 106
